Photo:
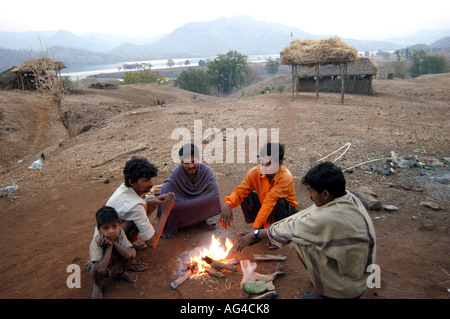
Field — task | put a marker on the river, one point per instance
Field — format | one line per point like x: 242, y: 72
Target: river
x: 81, y: 72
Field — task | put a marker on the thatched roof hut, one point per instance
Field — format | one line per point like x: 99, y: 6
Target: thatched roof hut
x: 42, y: 64
x: 30, y: 72
x: 313, y: 52
x: 318, y: 53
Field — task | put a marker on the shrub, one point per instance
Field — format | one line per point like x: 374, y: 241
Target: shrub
x: 144, y: 76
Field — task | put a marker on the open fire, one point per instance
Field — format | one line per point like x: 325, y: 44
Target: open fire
x: 208, y: 260
x: 215, y: 252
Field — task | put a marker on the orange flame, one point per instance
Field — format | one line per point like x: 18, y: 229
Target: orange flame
x: 215, y: 251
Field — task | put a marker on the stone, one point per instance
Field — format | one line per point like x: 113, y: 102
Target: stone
x: 390, y: 208
x: 369, y: 201
x: 431, y: 205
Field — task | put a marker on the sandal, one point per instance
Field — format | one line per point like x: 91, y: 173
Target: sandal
x: 137, y: 266
x: 139, y: 246
x: 209, y: 222
x: 307, y: 295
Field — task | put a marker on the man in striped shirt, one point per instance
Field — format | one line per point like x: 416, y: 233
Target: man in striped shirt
x: 334, y: 238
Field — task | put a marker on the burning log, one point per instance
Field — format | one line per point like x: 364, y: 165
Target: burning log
x: 179, y: 281
x: 199, y: 265
x: 214, y: 273
x: 218, y: 265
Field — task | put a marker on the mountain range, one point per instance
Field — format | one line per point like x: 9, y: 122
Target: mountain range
x: 195, y: 39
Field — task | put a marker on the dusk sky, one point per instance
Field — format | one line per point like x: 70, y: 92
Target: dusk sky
x: 379, y: 19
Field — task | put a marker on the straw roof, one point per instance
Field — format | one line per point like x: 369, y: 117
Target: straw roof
x: 325, y: 51
x: 41, y: 64
x: 361, y: 66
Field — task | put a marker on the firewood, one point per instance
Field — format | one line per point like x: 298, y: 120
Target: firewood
x: 267, y: 295
x: 179, y: 281
x: 218, y: 265
x: 268, y: 257
x: 214, y: 273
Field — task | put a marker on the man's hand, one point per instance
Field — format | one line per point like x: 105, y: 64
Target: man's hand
x: 247, y: 240
x: 226, y: 217
x: 155, y: 201
x: 168, y: 200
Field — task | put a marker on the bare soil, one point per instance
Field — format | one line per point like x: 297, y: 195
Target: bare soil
x: 50, y: 223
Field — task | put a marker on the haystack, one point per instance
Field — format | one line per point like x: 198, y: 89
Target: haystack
x: 318, y: 53
x: 31, y: 72
x: 313, y: 52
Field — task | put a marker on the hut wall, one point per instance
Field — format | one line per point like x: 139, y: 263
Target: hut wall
x: 333, y: 85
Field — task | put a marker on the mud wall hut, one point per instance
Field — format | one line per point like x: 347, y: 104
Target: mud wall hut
x: 358, y: 81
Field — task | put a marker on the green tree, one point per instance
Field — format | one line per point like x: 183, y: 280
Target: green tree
x: 421, y: 63
x: 170, y: 63
x: 400, y: 68
x: 272, y: 66
x: 434, y: 64
x: 194, y: 80
x: 228, y: 71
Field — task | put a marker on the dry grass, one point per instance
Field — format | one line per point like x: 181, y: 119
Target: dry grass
x: 326, y: 51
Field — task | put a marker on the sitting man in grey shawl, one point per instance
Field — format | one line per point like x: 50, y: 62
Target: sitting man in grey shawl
x: 196, y: 190
x: 335, y: 238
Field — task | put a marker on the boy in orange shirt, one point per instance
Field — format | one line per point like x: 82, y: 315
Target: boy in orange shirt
x: 266, y: 194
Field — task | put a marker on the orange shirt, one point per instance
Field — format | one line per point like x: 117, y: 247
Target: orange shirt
x: 282, y: 186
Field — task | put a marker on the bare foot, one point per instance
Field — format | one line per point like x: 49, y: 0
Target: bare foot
x: 97, y: 292
x: 128, y: 276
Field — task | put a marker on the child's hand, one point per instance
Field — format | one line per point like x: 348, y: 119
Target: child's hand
x: 104, y: 241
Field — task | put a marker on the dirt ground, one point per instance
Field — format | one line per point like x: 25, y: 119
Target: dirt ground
x: 50, y: 222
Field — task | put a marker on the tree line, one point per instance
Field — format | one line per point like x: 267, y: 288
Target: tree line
x: 223, y: 74
x: 416, y: 63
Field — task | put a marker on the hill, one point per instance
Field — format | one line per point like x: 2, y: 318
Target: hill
x: 49, y: 225
x: 196, y: 39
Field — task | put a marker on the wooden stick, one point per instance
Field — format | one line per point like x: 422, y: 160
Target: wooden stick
x: 218, y: 265
x: 134, y: 150
x: 267, y: 295
x: 269, y: 257
x: 214, y: 273
x: 177, y: 282
x: 406, y: 188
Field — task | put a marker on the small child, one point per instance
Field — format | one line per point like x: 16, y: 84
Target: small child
x: 111, y: 253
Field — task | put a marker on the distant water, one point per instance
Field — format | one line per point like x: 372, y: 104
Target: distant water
x: 81, y: 72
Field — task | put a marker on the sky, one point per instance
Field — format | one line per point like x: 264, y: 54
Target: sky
x: 375, y: 20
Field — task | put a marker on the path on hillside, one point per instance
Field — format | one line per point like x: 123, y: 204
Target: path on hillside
x: 40, y: 119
